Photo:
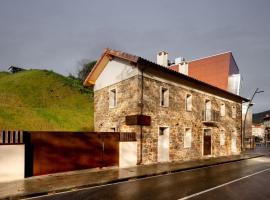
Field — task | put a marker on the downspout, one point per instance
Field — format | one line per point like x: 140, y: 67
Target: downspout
x: 242, y: 135
x: 141, y: 113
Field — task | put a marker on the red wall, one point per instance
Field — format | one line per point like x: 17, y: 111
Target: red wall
x: 212, y: 70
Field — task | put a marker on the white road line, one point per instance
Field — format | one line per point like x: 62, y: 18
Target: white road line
x: 219, y: 186
x: 131, y: 180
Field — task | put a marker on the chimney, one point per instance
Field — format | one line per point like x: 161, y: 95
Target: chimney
x: 162, y: 58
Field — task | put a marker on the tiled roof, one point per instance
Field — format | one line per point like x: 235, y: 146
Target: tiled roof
x: 139, y: 60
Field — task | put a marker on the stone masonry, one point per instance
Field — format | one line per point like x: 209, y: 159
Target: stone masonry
x: 175, y: 116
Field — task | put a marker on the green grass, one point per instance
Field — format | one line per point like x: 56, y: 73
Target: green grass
x: 44, y: 100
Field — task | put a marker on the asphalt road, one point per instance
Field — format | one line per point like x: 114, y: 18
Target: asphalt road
x: 248, y: 179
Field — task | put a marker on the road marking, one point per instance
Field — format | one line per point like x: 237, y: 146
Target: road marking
x: 219, y: 186
x: 133, y: 180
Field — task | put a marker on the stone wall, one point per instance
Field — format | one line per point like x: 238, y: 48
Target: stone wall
x: 174, y: 116
x: 177, y: 119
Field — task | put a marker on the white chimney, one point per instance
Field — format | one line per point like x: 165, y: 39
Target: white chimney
x: 162, y: 58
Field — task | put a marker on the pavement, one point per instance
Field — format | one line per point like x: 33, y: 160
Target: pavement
x: 72, y: 181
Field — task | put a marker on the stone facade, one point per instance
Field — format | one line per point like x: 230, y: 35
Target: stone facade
x: 175, y: 116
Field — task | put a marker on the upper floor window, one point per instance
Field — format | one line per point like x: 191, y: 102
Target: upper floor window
x: 164, y: 97
x: 233, y: 112
x: 187, y: 138
x: 188, y: 102
x: 207, y: 110
x: 112, y: 97
x: 222, y: 110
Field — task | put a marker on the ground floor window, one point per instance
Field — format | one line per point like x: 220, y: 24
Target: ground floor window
x: 187, y: 138
x: 222, y: 137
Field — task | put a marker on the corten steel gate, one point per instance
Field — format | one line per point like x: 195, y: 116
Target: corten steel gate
x: 51, y: 152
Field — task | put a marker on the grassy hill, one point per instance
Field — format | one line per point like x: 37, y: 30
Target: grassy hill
x: 44, y: 100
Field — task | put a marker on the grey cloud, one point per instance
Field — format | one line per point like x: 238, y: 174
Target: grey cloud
x: 58, y: 34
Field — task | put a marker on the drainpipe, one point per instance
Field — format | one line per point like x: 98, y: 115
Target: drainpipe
x: 141, y: 126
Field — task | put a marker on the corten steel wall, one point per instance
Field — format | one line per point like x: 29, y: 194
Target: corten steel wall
x: 52, y: 152
x: 212, y: 70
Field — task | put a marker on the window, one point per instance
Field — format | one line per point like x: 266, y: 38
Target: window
x: 207, y: 111
x: 112, y: 98
x: 112, y: 129
x: 222, y: 137
x: 188, y: 102
x: 164, y: 97
x: 233, y: 112
x: 222, y: 110
x: 187, y: 138
x: 162, y: 130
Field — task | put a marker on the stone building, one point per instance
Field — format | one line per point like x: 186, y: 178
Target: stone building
x: 175, y: 117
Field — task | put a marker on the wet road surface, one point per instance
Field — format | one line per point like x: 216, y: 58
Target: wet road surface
x: 187, y: 184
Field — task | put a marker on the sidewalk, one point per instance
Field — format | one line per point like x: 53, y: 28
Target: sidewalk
x: 54, y: 183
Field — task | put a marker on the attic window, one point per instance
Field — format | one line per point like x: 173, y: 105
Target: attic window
x: 112, y: 97
x: 164, y: 97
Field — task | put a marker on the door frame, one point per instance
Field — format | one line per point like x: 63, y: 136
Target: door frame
x: 167, y: 127
x: 203, y: 142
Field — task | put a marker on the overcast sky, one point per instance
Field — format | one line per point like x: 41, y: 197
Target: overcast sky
x: 59, y: 34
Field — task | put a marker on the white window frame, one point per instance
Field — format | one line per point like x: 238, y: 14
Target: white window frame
x: 234, y: 112
x: 187, y: 138
x: 222, y: 137
x: 164, y: 97
x: 222, y: 109
x: 114, y: 104
x: 113, y: 129
x: 188, y: 102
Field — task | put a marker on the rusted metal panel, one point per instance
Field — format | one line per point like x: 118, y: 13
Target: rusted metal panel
x: 110, y: 149
x: 143, y: 120
x: 67, y: 151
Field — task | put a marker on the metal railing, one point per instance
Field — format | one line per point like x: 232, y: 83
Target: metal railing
x: 11, y: 137
x: 209, y: 115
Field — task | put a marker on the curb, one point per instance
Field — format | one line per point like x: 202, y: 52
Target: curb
x: 127, y: 179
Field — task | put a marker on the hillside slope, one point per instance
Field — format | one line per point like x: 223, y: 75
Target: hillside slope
x: 43, y: 100
x: 258, y: 117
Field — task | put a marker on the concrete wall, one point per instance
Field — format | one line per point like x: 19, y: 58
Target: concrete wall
x: 11, y: 162
x: 127, y: 154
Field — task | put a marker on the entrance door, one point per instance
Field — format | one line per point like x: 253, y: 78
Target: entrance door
x: 207, y: 142
x: 163, y: 144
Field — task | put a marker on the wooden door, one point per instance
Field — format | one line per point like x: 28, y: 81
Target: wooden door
x: 207, y: 142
